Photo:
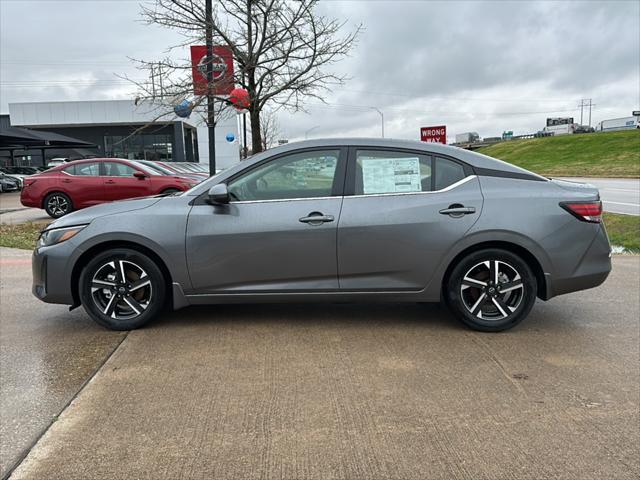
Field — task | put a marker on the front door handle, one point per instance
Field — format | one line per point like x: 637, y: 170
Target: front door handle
x: 457, y: 210
x: 316, y: 218
x: 66, y: 180
x: 110, y: 182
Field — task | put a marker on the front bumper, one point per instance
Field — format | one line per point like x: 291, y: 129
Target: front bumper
x: 52, y: 268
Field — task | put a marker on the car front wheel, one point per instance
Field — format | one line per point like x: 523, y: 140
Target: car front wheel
x: 122, y: 289
x: 491, y: 290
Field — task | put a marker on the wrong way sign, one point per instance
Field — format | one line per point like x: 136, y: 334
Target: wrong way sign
x: 436, y: 134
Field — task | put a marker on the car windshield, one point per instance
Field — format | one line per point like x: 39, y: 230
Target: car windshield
x: 180, y: 168
x: 155, y: 166
x: 144, y: 168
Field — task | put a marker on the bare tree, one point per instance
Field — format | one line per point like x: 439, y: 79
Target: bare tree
x: 269, y: 129
x: 283, y: 50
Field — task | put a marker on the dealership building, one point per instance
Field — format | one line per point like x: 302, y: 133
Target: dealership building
x: 118, y: 128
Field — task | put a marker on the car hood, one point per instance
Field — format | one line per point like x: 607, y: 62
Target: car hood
x: 87, y: 215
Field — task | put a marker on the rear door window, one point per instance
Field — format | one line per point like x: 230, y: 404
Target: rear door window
x: 91, y: 169
x: 387, y: 172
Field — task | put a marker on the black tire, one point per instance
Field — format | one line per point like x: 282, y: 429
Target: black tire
x: 491, y: 307
x: 135, y: 302
x: 57, y: 204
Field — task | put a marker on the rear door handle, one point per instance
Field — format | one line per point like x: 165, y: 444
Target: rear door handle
x: 66, y: 180
x: 316, y: 218
x: 110, y: 181
x: 457, y: 210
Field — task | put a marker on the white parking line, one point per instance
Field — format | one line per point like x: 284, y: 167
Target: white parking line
x: 622, y: 203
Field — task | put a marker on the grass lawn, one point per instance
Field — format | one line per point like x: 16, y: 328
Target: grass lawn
x: 23, y: 235
x: 623, y: 230
x: 608, y: 154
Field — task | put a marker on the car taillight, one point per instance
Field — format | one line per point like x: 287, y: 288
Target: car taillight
x: 28, y: 182
x: 585, y: 211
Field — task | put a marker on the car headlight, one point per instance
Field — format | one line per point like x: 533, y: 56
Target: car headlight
x: 58, y: 235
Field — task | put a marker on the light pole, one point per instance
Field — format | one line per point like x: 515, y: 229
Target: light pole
x: 210, y: 98
x: 307, y: 132
x: 381, y: 118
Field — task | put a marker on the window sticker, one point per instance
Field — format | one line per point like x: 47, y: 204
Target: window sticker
x: 390, y: 175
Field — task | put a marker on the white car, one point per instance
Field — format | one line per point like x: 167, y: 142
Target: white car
x: 54, y: 162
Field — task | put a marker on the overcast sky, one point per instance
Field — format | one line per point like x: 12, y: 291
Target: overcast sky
x: 472, y: 65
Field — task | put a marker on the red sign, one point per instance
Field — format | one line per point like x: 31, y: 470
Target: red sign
x: 222, y: 69
x: 434, y: 134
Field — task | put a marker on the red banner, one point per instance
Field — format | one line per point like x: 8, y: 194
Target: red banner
x: 222, y: 69
x: 434, y: 134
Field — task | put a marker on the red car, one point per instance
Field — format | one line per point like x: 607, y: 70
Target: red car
x: 84, y: 183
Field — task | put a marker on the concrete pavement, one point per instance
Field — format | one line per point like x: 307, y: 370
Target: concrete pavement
x: 46, y: 355
x: 12, y: 211
x: 619, y: 195
x: 337, y: 391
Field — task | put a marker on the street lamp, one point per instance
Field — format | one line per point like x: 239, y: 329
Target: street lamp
x: 381, y: 118
x: 306, y: 133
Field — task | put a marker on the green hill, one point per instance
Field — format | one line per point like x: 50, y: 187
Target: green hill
x: 607, y: 154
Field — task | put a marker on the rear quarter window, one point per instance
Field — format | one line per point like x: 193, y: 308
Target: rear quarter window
x: 447, y: 173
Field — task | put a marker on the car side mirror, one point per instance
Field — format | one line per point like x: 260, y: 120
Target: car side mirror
x: 218, y: 194
x: 139, y: 175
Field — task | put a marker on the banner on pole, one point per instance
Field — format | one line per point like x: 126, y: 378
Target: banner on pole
x: 222, y: 64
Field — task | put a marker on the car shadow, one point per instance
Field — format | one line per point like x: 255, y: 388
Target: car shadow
x: 344, y: 315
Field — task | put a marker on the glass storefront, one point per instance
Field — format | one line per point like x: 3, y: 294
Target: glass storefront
x: 139, y: 147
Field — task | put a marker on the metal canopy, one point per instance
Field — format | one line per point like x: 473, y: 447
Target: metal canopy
x: 14, y: 138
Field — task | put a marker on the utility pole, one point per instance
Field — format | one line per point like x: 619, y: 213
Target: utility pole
x: 245, y: 149
x: 210, y: 92
x: 583, y: 103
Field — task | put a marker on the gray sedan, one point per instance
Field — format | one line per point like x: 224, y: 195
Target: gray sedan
x: 340, y: 220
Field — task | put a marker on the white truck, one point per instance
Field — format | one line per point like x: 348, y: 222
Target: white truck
x: 467, y: 137
x: 625, y: 123
x: 559, y: 126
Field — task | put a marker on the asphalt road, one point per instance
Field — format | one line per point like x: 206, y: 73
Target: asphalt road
x: 324, y: 391
x: 619, y: 195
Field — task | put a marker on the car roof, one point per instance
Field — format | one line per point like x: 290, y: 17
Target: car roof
x: 474, y: 159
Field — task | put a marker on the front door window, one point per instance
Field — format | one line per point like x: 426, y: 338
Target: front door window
x: 300, y: 175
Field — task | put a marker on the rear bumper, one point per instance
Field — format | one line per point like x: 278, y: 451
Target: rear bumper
x: 592, y: 269
x: 51, y: 268
x: 28, y: 200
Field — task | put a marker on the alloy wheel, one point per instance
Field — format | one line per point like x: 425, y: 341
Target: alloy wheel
x: 492, y: 290
x: 121, y: 289
x: 57, y: 205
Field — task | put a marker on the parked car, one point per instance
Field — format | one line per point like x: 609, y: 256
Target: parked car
x: 54, y: 162
x: 8, y: 183
x: 384, y: 220
x: 165, y: 171
x: 83, y: 183
x: 180, y: 169
x: 20, y: 173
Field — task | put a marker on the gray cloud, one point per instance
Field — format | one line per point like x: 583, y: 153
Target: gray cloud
x: 485, y: 66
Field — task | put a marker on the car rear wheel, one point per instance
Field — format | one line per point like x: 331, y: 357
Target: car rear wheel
x: 491, y: 290
x: 57, y: 204
x: 122, y: 289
